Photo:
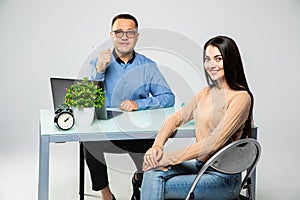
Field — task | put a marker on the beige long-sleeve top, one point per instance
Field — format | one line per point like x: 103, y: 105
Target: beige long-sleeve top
x: 219, y: 116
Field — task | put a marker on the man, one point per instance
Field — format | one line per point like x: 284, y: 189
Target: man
x: 132, y: 82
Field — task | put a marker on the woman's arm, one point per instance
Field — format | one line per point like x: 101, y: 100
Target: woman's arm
x: 232, y: 121
x: 155, y: 153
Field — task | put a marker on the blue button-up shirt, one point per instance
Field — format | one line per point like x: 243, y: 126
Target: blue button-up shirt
x: 138, y: 80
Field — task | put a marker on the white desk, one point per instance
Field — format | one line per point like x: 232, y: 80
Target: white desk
x: 128, y: 125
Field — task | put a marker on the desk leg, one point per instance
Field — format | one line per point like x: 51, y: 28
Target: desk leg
x: 253, y: 176
x: 81, y: 171
x: 43, y: 192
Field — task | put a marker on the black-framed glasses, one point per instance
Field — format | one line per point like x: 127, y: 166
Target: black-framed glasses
x: 129, y: 34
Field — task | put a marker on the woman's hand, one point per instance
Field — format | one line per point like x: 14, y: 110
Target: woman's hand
x: 152, y: 158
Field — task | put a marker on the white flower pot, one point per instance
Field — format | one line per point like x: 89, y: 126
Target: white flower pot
x: 84, y: 116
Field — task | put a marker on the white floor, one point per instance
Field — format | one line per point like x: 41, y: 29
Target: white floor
x: 19, y: 176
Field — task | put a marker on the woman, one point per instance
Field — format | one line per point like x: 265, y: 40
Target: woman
x: 222, y: 113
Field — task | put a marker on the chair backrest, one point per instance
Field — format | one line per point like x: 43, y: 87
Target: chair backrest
x: 234, y: 158
x: 237, y: 156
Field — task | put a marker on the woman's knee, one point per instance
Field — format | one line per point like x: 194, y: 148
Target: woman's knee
x: 152, y: 174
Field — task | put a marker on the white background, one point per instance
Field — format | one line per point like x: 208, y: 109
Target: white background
x: 44, y: 38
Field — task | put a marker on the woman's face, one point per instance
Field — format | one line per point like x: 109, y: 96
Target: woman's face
x: 213, y: 63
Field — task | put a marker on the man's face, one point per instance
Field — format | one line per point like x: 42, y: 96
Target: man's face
x: 124, y: 36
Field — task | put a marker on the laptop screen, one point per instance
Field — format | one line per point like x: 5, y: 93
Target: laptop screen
x: 58, y: 89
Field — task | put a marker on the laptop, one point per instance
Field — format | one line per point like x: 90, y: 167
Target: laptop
x: 58, y: 89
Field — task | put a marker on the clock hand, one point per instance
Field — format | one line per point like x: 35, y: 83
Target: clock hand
x: 67, y: 119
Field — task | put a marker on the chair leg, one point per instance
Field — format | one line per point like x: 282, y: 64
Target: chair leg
x: 249, y: 189
x: 253, y: 185
x: 81, y: 171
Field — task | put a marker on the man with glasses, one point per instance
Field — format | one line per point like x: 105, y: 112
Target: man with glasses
x: 132, y: 82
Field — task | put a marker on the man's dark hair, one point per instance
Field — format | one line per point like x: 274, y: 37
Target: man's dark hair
x: 124, y: 16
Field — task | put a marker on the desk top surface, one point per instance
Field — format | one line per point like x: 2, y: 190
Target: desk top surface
x: 127, y: 122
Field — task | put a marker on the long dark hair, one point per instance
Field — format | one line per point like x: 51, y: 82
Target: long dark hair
x: 233, y: 71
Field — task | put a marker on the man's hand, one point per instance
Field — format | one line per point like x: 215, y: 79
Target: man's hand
x: 128, y: 105
x: 104, y: 58
x: 152, y: 158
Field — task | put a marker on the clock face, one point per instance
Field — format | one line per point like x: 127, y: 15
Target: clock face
x: 65, y: 121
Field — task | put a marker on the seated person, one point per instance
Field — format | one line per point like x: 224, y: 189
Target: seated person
x: 222, y: 113
x: 132, y: 82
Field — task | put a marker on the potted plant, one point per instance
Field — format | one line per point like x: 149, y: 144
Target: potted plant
x: 84, y: 96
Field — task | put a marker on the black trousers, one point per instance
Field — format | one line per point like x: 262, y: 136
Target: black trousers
x: 94, y: 155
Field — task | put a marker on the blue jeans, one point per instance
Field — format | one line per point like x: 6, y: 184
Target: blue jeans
x: 176, y: 182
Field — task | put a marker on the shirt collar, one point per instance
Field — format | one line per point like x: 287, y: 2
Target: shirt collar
x: 118, y: 59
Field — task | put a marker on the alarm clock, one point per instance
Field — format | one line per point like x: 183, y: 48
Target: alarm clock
x: 64, y: 118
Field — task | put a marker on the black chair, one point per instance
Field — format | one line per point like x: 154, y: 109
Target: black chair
x: 239, y: 156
